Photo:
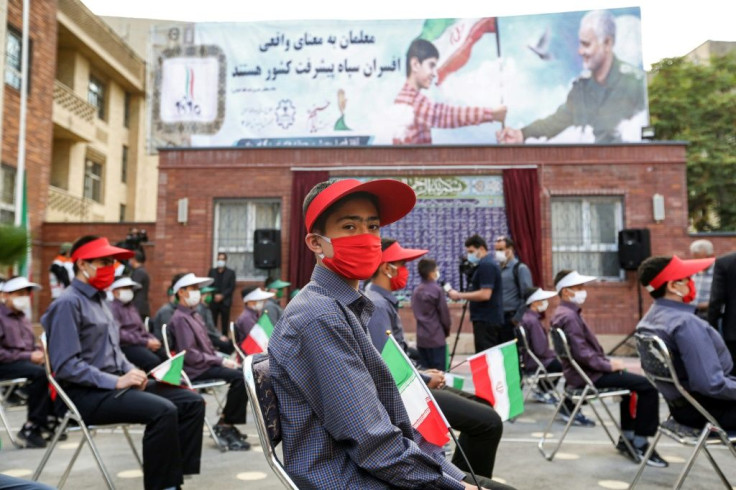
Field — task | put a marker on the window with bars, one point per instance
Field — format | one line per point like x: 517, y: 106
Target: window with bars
x: 585, y: 234
x: 13, y: 52
x: 93, y: 180
x: 96, y: 95
x: 126, y: 110
x: 236, y: 220
x: 7, y: 194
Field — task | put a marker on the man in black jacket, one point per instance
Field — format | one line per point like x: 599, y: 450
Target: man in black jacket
x: 722, y: 306
x: 225, y: 285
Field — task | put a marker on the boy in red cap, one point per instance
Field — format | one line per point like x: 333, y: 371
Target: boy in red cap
x: 84, y: 350
x: 702, y: 360
x: 342, y: 418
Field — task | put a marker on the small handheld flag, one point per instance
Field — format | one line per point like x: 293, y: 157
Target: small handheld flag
x: 170, y: 371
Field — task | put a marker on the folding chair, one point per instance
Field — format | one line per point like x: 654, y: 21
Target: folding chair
x: 540, y: 373
x: 588, y: 394
x: 204, y: 386
x: 234, y: 339
x: 7, y: 387
x: 265, y: 407
x: 72, y: 413
x: 658, y: 368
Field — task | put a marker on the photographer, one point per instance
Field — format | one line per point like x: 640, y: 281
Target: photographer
x: 485, y: 295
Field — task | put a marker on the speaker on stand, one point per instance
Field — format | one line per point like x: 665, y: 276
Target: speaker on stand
x: 267, y: 248
x: 634, y: 247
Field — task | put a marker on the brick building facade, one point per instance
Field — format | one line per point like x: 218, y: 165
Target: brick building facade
x: 39, y: 126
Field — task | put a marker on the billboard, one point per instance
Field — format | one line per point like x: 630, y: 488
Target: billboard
x: 573, y: 77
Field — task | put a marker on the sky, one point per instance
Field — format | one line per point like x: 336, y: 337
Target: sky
x: 669, y: 28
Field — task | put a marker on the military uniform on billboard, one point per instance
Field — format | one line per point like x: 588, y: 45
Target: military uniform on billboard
x: 602, y: 107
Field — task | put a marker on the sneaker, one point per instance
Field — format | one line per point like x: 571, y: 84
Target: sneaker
x: 654, y: 459
x: 31, y: 437
x: 231, y: 437
x: 621, y: 447
x: 539, y: 397
x: 580, y: 420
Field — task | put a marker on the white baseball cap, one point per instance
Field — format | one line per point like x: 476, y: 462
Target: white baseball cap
x: 125, y: 282
x: 257, y: 295
x: 190, y: 280
x: 539, y: 295
x: 573, y: 279
x: 18, y: 283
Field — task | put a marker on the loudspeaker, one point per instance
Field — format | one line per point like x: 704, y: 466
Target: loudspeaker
x: 633, y: 248
x: 267, y: 249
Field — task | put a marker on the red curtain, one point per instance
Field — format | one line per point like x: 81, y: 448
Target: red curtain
x: 301, y: 260
x: 521, y: 195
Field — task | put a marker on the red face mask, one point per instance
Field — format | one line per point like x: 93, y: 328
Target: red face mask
x: 398, y: 280
x: 104, y: 277
x: 354, y: 257
x: 690, y: 296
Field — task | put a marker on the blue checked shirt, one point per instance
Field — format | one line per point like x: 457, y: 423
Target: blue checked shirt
x: 703, y: 282
x: 343, y: 422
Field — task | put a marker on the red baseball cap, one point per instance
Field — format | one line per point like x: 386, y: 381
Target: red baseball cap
x: 395, y: 199
x: 678, y: 269
x: 395, y: 253
x: 100, y: 248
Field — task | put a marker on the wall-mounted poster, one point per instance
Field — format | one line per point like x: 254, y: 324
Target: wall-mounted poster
x: 573, y: 77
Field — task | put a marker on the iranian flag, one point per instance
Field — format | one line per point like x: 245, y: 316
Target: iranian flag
x: 496, y: 378
x: 461, y: 383
x: 170, y: 371
x: 454, y: 39
x: 257, y: 339
x: 423, y: 411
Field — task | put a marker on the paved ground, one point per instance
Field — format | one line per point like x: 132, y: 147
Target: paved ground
x: 586, y: 460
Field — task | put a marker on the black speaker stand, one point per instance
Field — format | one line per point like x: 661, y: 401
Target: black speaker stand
x: 633, y: 332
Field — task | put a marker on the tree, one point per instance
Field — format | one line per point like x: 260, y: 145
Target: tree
x: 14, y: 244
x: 697, y: 103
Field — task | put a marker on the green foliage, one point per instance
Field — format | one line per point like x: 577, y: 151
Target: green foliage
x: 697, y: 103
x: 14, y: 243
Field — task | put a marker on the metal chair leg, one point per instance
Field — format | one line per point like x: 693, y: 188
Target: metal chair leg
x: 577, y: 408
x: 5, y: 422
x: 73, y: 460
x: 60, y: 429
x: 716, y: 467
x: 98, y: 457
x: 220, y: 443
x: 643, y: 462
x: 691, y: 459
x: 132, y: 446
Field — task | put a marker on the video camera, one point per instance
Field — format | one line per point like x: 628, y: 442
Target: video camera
x: 134, y: 239
x: 466, y: 269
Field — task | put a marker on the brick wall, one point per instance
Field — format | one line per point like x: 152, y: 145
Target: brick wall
x: 38, y: 123
x: 635, y: 172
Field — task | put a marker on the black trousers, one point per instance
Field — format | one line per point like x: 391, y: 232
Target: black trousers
x: 222, y: 311
x: 486, y: 335
x: 172, y: 441
x: 433, y: 357
x: 479, y: 425
x: 234, y: 411
x: 143, y: 357
x: 39, y: 403
x: 221, y: 345
x: 647, y: 401
x: 724, y: 411
x: 507, y: 329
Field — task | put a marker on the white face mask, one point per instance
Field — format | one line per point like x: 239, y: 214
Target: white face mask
x: 221, y: 264
x: 543, y: 306
x: 125, y: 296
x: 258, y: 306
x: 194, y: 298
x: 437, y: 275
x: 500, y: 256
x: 579, y: 297
x: 21, y: 303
